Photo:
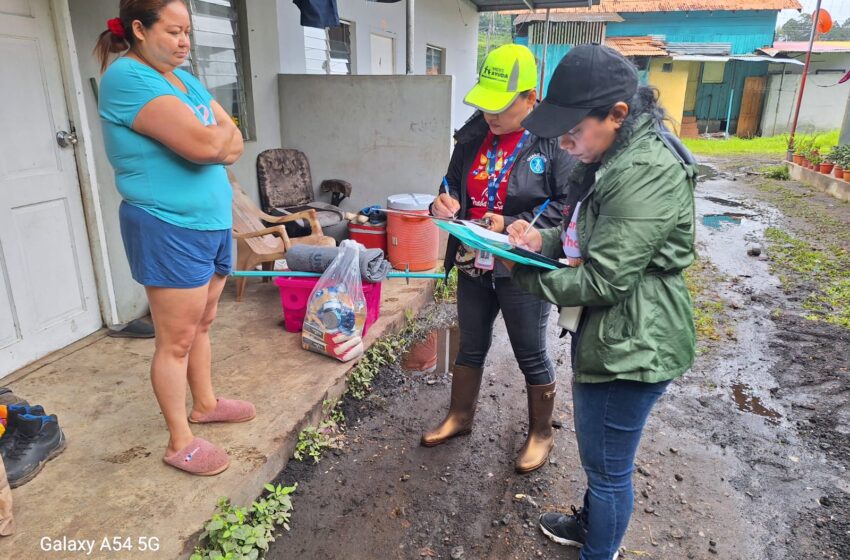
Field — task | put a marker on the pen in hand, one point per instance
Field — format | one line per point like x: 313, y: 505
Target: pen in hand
x: 444, y: 188
x: 534, y: 219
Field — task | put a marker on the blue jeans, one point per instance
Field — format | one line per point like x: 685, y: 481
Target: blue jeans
x: 609, y: 420
x: 478, y: 302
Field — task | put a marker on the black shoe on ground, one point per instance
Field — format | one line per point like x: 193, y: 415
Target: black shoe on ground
x: 37, y: 440
x: 133, y: 329
x: 14, y: 413
x: 570, y: 530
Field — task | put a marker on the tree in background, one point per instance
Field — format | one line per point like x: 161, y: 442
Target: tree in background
x: 799, y: 28
x: 496, y: 28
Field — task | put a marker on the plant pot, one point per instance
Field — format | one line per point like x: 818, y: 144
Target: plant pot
x: 826, y: 168
x: 798, y: 160
x: 847, y: 174
x: 805, y: 162
x: 838, y: 172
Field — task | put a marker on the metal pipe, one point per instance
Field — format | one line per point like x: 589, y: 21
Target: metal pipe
x: 410, y: 28
x: 294, y: 274
x: 545, y: 49
x: 790, y: 154
x: 731, y: 98
x: 778, y: 100
x: 729, y: 112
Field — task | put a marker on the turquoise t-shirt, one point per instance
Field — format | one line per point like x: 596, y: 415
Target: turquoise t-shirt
x: 149, y: 174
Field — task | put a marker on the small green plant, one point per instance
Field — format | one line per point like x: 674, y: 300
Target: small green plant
x: 803, y: 144
x: 840, y: 155
x: 333, y: 411
x: 777, y: 172
x: 814, y: 157
x: 446, y: 290
x: 238, y: 533
x: 313, y: 441
x: 383, y: 352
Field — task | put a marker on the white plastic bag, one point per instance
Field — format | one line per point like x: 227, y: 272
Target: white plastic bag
x: 336, y: 310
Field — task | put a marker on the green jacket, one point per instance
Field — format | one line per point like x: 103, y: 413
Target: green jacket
x: 636, y: 236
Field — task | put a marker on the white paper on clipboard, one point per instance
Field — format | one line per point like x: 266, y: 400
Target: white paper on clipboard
x: 487, y: 234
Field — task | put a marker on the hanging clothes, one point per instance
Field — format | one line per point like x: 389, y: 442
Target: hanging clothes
x: 318, y: 13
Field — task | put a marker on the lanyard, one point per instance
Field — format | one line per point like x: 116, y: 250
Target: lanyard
x: 493, y: 182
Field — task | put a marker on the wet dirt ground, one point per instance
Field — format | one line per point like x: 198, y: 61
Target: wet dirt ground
x: 745, y: 458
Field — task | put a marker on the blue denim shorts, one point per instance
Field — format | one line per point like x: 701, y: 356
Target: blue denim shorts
x: 163, y: 255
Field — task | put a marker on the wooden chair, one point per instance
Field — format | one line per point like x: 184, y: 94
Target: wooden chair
x: 258, y: 244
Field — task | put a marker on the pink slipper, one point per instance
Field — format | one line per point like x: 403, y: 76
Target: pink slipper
x: 228, y: 410
x: 200, y: 458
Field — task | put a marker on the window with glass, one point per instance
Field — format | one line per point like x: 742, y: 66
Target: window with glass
x: 435, y: 60
x: 328, y: 51
x: 219, y: 57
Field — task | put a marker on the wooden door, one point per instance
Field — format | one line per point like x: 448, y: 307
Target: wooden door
x: 47, y: 288
x: 751, y: 106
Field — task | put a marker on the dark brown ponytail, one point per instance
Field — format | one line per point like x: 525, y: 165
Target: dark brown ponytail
x: 119, y: 35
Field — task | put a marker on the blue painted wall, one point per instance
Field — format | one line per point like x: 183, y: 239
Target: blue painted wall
x: 746, y: 30
x: 713, y: 99
x: 554, y: 54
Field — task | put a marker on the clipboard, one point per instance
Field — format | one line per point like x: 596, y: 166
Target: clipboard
x: 495, y: 243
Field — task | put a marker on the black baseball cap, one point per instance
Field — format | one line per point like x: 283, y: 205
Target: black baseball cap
x: 588, y: 77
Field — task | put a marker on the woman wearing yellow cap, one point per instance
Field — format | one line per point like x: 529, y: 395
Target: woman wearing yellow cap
x: 501, y: 172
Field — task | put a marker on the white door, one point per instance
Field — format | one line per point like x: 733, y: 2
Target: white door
x: 47, y: 288
x: 382, y: 54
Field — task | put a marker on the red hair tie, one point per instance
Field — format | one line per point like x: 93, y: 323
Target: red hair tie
x: 116, y: 27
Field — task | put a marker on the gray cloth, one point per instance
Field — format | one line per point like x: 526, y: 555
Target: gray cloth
x: 310, y: 258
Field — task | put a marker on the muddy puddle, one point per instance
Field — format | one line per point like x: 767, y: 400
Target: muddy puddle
x: 747, y: 402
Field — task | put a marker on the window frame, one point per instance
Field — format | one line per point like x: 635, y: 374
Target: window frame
x: 343, y: 24
x: 429, y: 48
x: 246, y: 120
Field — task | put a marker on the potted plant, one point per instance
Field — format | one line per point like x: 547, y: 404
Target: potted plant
x: 802, y: 144
x: 826, y: 165
x: 844, y: 158
x: 836, y: 156
x: 815, y: 160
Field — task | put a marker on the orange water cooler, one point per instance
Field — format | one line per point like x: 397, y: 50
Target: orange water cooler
x: 412, y: 242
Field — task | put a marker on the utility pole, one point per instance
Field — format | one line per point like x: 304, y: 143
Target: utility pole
x: 790, y: 154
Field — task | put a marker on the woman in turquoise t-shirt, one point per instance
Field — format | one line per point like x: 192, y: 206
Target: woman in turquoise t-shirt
x: 168, y: 141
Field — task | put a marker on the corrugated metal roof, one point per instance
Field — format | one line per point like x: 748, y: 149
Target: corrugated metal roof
x: 644, y: 6
x: 517, y: 6
x: 708, y: 49
x: 586, y: 17
x: 780, y: 47
x: 637, y: 46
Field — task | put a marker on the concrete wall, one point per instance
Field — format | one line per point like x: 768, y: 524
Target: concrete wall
x: 449, y: 24
x: 824, y: 101
x: 384, y: 134
x: 88, y: 19
x: 845, y: 126
x: 672, y: 87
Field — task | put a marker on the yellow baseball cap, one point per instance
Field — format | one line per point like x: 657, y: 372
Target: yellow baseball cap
x: 508, y: 71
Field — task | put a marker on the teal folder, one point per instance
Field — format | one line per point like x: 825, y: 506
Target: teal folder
x: 474, y: 237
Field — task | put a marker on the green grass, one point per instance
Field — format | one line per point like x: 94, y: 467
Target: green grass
x: 828, y: 269
x: 709, y: 309
x: 768, y: 145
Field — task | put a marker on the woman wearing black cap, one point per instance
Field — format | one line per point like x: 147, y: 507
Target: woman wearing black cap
x: 628, y: 233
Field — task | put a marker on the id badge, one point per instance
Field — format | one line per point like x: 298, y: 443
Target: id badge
x: 485, y: 260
